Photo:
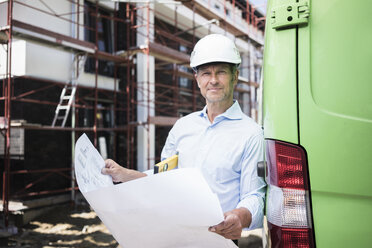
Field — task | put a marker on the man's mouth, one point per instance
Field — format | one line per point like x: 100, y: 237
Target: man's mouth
x: 214, y: 89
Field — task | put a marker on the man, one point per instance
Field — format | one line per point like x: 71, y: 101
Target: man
x: 220, y: 140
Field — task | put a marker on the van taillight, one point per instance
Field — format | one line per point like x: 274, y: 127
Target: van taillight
x: 288, y: 202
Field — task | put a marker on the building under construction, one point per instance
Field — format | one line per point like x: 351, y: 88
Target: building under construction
x: 117, y: 71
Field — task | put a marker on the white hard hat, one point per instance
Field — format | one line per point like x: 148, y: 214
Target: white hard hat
x: 214, y: 48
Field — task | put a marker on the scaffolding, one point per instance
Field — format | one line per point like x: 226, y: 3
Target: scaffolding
x: 109, y: 110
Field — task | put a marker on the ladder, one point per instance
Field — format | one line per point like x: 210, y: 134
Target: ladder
x: 68, y: 93
x: 63, y: 108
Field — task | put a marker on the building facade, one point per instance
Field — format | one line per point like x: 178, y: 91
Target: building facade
x: 118, y: 71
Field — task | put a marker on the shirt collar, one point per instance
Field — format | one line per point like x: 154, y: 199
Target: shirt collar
x: 232, y: 113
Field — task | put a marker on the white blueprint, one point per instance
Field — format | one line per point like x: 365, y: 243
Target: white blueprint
x: 169, y: 209
x: 88, y: 165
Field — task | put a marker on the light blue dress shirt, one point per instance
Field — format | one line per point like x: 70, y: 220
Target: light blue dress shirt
x: 227, y: 152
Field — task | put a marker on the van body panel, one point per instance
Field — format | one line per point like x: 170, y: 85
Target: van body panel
x: 280, y: 92
x: 335, y: 119
x: 334, y: 114
x: 341, y: 220
x: 341, y: 57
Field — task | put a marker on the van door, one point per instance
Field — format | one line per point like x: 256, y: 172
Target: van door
x: 288, y: 209
x: 335, y: 119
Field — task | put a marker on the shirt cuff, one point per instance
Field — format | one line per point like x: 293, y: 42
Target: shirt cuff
x: 254, y: 204
x: 149, y: 172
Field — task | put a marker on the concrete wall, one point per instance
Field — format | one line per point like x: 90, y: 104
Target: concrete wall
x: 33, y: 59
x: 30, y: 58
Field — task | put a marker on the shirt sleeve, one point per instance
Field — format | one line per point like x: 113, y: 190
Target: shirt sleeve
x: 169, y: 148
x: 253, y: 187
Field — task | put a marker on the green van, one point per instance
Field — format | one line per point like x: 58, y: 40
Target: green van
x: 317, y: 116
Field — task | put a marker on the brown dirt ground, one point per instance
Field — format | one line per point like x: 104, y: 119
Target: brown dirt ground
x: 64, y: 226
x: 67, y: 227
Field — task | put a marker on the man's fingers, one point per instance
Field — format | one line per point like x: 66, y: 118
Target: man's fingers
x: 109, y: 163
x: 230, y: 222
x: 222, y: 227
x: 230, y: 228
x: 110, y: 169
x: 228, y: 233
x: 106, y: 171
x: 217, y: 227
x: 225, y: 227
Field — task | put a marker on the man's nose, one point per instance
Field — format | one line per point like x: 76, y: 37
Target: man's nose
x: 213, y: 78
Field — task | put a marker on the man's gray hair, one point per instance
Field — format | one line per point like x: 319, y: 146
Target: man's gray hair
x: 233, y: 67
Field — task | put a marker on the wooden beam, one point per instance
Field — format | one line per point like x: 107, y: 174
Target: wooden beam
x: 163, y: 120
x: 47, y: 36
x: 246, y: 81
x: 168, y: 54
x: 180, y: 74
x: 174, y: 37
x: 210, y: 14
x: 160, y: 52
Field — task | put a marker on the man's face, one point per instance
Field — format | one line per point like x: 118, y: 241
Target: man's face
x: 216, y: 82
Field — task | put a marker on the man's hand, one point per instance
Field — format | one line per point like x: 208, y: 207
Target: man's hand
x: 118, y: 173
x: 232, y: 226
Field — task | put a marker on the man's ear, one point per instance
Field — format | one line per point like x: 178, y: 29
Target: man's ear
x: 236, y: 77
x: 196, y: 79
